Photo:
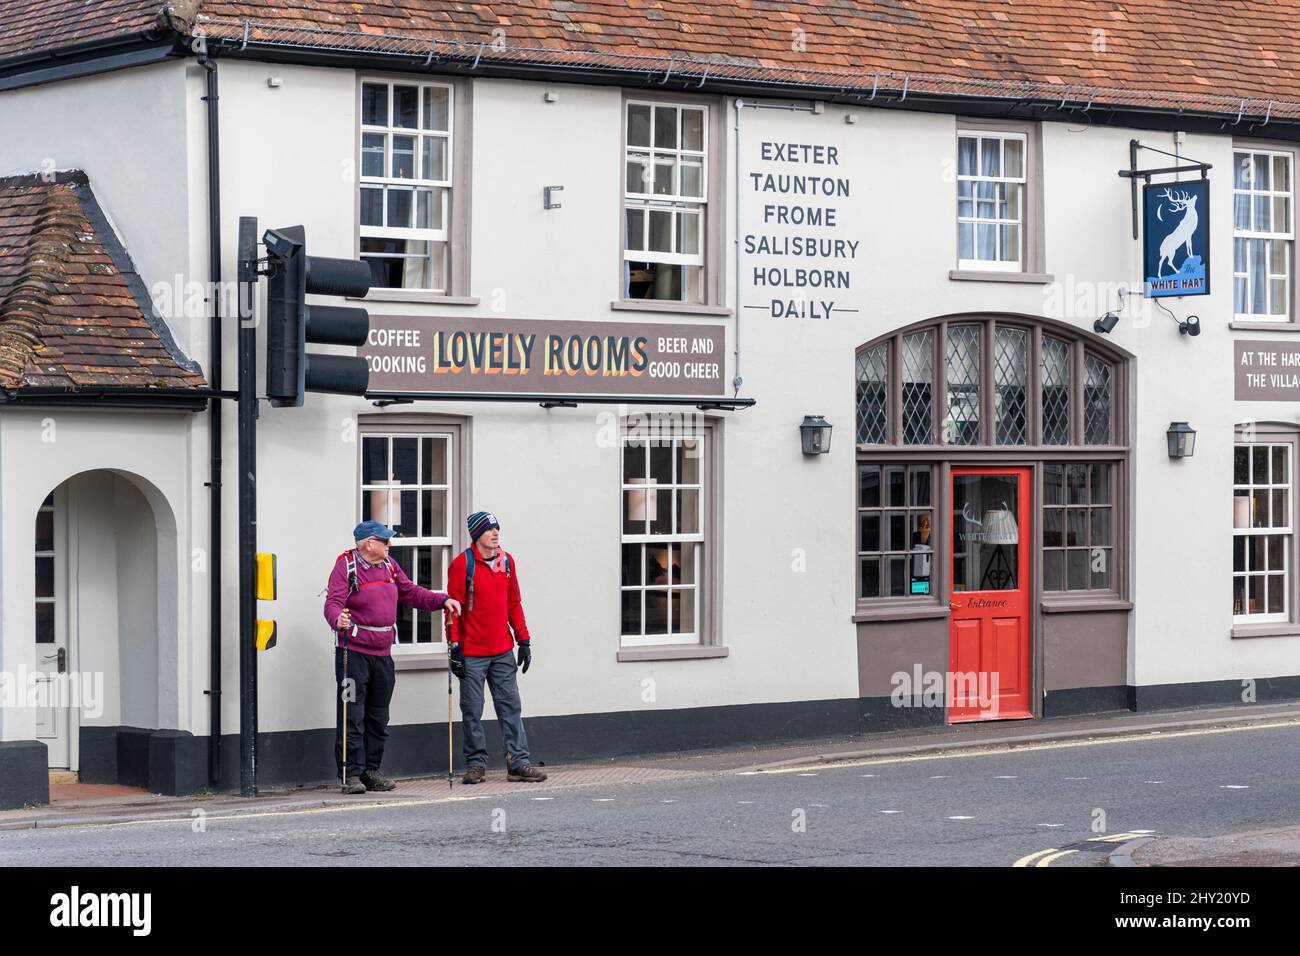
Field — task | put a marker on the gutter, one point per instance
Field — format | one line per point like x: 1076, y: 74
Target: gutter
x: 147, y: 399
x: 87, y: 60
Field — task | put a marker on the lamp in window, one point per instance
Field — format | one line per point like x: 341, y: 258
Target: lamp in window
x: 1182, y: 440
x: 815, y: 435
x: 380, y: 501
x: 999, y: 527
x: 642, y: 505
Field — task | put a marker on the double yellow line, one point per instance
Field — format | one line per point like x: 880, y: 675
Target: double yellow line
x: 1046, y: 857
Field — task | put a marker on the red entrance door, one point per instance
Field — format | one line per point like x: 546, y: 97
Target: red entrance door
x: 988, y: 654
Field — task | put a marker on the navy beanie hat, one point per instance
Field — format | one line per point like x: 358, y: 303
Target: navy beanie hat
x: 479, y: 522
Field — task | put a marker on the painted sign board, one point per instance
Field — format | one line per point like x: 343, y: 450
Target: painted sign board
x: 1266, y: 371
x: 1176, y: 238
x: 430, y: 354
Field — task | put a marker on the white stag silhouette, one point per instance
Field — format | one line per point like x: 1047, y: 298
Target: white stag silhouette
x: 1182, y: 233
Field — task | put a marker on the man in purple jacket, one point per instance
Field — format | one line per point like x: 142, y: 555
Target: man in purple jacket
x: 361, y: 606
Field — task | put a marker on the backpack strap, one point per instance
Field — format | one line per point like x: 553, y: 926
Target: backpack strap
x: 350, y: 558
x: 469, y: 579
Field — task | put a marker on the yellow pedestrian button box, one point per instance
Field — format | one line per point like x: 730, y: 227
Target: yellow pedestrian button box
x: 265, y: 585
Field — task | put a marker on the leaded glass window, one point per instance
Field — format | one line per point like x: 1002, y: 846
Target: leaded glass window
x: 873, y: 396
x: 1056, y: 391
x: 1096, y: 401
x: 1010, y: 374
x: 927, y: 386
x: 963, y: 422
x: 918, y: 388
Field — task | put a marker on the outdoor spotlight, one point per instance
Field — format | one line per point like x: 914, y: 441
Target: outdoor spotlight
x: 815, y: 435
x: 1182, y: 440
x: 277, y: 244
x: 1105, y: 323
x: 1190, y: 326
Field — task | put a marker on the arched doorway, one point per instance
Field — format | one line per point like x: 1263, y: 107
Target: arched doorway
x: 105, y: 610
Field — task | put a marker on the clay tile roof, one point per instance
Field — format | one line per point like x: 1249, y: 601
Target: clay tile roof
x: 33, y: 26
x: 1175, y: 53
x: 73, y: 313
x: 1231, y: 47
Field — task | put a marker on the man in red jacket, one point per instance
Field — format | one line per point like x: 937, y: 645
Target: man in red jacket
x: 488, y: 592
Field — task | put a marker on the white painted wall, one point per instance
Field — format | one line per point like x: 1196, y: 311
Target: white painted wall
x: 39, y: 450
x: 127, y: 130
x: 287, y: 155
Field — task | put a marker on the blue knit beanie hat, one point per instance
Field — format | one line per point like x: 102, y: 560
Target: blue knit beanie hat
x: 479, y: 522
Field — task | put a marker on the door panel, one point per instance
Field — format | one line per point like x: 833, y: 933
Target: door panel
x: 989, y: 631
x: 53, y: 713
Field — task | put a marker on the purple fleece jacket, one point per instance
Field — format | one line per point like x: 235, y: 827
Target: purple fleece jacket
x: 374, y: 603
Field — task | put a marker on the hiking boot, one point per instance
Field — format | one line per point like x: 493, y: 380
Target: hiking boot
x: 374, y: 780
x: 525, y: 773
x: 474, y: 775
x: 353, y: 785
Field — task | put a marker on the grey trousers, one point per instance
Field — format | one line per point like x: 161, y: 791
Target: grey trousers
x: 499, y: 672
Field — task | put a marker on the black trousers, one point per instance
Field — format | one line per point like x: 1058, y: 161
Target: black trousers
x: 371, y: 693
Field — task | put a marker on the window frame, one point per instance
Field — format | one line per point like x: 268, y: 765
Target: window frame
x: 713, y: 281
x: 1064, y: 507
x: 909, y: 509
x: 1288, y: 623
x: 942, y: 458
x: 975, y: 220
x: 456, y: 231
x: 1078, y: 348
x: 1290, y: 320
x: 456, y: 429
x: 1031, y: 264
x: 708, y: 598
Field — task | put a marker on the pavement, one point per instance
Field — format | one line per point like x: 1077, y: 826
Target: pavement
x: 77, y: 805
x: 1275, y: 847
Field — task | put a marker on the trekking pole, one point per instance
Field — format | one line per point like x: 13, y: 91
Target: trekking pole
x: 343, y: 690
x: 449, y: 642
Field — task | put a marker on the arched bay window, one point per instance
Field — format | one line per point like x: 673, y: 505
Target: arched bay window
x: 983, y: 390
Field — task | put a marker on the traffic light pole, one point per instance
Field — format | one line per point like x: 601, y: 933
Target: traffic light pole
x: 247, y: 506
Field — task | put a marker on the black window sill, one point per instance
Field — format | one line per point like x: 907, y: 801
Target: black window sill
x: 667, y: 306
x: 673, y: 652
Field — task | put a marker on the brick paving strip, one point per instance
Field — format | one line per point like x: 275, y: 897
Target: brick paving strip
x: 97, y: 805
x: 136, y: 806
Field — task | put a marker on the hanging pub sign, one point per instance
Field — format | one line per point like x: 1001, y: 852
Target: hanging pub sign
x: 1176, y: 238
x: 414, y: 354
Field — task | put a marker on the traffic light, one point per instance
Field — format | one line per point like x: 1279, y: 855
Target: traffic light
x: 291, y: 323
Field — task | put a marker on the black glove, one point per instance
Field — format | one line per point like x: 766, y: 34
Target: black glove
x: 525, y: 655
x: 456, y: 660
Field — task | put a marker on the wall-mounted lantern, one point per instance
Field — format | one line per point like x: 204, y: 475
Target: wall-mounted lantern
x: 1182, y: 440
x: 815, y: 434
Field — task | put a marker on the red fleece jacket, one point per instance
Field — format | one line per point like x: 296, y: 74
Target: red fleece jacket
x: 498, y: 609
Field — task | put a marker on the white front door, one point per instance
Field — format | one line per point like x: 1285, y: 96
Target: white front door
x: 53, y: 710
